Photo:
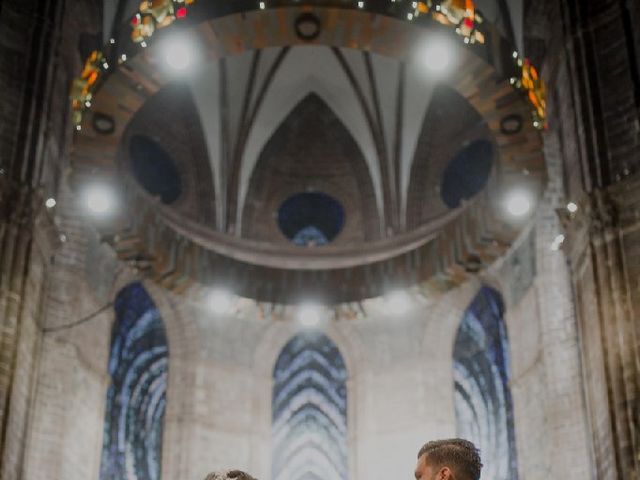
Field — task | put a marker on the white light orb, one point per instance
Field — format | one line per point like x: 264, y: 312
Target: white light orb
x: 178, y: 53
x: 518, y: 204
x: 436, y: 55
x: 572, y: 207
x: 219, y: 300
x: 100, y: 199
x: 309, y: 315
x: 50, y: 203
x: 398, y: 302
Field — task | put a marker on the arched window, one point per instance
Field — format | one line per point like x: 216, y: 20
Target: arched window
x: 309, y: 411
x: 311, y: 218
x: 138, y: 364
x: 483, y: 405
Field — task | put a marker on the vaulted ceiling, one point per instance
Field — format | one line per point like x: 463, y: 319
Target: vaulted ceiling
x: 266, y: 114
x: 402, y: 133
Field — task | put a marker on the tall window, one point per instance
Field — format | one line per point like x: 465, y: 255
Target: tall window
x: 132, y: 442
x: 483, y: 405
x: 310, y: 411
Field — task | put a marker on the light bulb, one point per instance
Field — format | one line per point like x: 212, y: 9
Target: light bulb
x: 309, y: 315
x: 219, y: 300
x: 99, y: 199
x: 518, y: 204
x: 398, y: 302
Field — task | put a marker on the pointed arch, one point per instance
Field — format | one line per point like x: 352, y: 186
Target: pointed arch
x: 136, y: 397
x: 311, y: 150
x: 305, y: 71
x: 482, y: 396
x: 450, y: 123
x: 309, y: 410
x: 182, y: 141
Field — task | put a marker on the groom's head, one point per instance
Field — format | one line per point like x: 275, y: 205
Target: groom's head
x: 452, y: 459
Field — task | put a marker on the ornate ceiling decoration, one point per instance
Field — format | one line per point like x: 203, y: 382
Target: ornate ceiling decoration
x: 181, y: 253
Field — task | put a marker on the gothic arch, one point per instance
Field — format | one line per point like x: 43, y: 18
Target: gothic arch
x: 311, y: 144
x: 312, y: 70
x: 309, y: 410
x: 449, y: 124
x: 136, y: 397
x: 482, y: 396
x: 184, y: 142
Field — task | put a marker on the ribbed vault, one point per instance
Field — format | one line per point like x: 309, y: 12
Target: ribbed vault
x: 170, y: 120
x: 449, y: 124
x: 255, y: 72
x: 311, y: 151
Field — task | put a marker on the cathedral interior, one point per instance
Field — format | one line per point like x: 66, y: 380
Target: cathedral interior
x: 303, y: 238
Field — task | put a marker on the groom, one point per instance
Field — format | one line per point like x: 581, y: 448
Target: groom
x: 453, y: 459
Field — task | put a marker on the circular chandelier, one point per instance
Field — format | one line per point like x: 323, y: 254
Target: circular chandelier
x: 181, y: 254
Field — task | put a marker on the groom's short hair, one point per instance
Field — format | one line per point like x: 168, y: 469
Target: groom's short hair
x: 229, y: 475
x: 461, y: 456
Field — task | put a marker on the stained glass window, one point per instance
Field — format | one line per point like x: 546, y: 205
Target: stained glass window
x: 310, y: 411
x: 154, y: 169
x: 483, y: 404
x: 311, y: 218
x: 136, y: 397
x: 467, y: 173
x: 310, y: 236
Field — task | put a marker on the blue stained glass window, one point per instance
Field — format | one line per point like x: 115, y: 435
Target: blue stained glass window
x: 467, y: 173
x: 310, y: 411
x: 310, y: 236
x: 154, y: 169
x: 138, y: 365
x: 483, y: 404
x: 311, y: 218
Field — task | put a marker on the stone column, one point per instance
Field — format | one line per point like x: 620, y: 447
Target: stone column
x: 589, y: 50
x: 28, y: 37
x: 27, y: 239
x: 603, y: 240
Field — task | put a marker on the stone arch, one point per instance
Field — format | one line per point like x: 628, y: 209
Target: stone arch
x: 312, y: 70
x: 331, y: 162
x: 136, y: 397
x: 482, y: 395
x: 265, y: 357
x: 309, y: 409
x: 450, y: 123
x: 183, y: 140
x: 182, y: 334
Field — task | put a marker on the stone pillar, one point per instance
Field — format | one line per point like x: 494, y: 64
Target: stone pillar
x: 28, y: 32
x: 603, y: 240
x: 589, y: 51
x: 27, y: 239
x: 15, y: 238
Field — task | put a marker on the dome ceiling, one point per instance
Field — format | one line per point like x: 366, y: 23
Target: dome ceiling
x: 373, y: 118
x: 266, y: 118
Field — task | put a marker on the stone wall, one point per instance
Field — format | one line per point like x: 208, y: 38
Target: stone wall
x: 53, y: 379
x: 590, y: 63
x: 35, y: 76
x: 400, y: 386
